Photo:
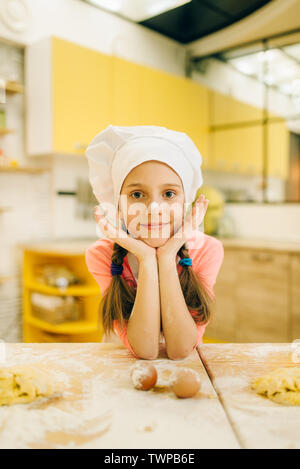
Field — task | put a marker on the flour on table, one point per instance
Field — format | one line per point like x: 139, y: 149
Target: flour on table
x: 108, y: 410
x: 258, y: 351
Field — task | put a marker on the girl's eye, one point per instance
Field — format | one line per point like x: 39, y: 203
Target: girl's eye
x: 170, y: 196
x: 136, y: 192
x: 170, y: 192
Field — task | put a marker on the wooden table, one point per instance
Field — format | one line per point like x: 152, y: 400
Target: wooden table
x: 256, y: 421
x: 101, y: 409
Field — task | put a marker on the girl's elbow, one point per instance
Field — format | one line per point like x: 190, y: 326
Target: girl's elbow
x: 178, y: 354
x: 149, y: 356
x: 144, y: 355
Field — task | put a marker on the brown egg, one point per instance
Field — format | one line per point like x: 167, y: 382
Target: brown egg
x: 144, y: 376
x: 185, y: 382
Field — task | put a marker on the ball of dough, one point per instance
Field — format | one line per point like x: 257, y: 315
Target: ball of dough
x: 144, y: 376
x: 185, y: 382
x: 22, y: 383
x: 281, y: 385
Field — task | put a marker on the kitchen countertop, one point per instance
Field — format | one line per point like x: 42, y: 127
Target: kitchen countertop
x: 59, y: 246
x: 78, y: 246
x: 262, y: 244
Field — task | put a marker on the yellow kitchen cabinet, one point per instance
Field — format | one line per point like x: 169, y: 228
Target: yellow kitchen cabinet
x: 295, y: 296
x: 177, y: 103
x: 164, y: 99
x: 69, y: 96
x: 228, y: 110
x: 37, y: 328
x: 197, y: 124
x: 278, y: 140
x: 237, y: 150
x: 73, y: 93
x: 127, y: 90
x: 237, y: 128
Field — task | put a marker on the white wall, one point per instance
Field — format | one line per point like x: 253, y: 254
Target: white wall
x: 27, y: 198
x: 274, y: 222
x: 11, y: 68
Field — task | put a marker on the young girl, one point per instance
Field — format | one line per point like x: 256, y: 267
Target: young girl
x: 157, y: 273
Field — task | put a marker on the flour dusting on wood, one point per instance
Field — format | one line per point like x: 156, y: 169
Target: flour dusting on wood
x: 101, y: 408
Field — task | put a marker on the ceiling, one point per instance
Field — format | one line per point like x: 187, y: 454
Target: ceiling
x: 201, y: 17
x: 191, y: 20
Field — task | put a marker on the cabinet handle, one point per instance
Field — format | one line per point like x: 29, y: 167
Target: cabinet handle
x: 263, y: 257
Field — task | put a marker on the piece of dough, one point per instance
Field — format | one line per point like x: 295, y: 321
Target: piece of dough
x: 22, y: 384
x: 281, y: 386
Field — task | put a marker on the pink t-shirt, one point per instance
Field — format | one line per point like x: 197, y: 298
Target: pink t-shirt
x: 206, y: 252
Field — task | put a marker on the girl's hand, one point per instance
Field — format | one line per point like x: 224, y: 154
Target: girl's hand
x: 140, y: 249
x: 191, y: 223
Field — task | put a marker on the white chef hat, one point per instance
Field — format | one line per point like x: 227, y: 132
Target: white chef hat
x: 116, y: 150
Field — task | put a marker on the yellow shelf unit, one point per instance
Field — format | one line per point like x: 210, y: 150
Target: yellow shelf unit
x: 88, y: 329
x: 76, y: 327
x: 72, y: 291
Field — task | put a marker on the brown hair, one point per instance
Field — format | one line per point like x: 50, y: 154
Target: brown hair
x: 119, y: 299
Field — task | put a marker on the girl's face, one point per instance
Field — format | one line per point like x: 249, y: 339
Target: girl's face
x: 152, y: 202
